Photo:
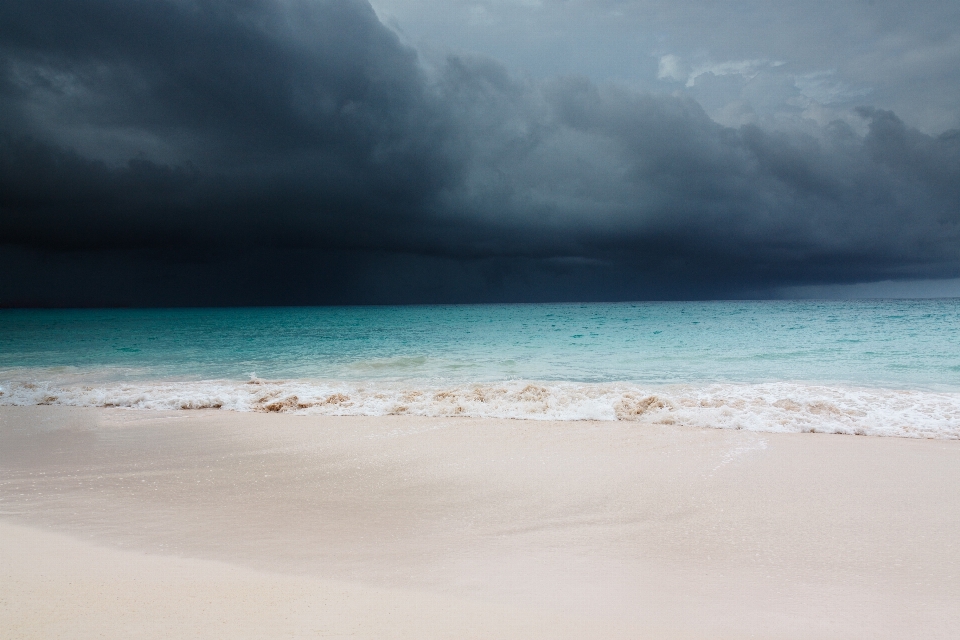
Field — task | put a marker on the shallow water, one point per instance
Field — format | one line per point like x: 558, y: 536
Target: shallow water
x: 876, y: 367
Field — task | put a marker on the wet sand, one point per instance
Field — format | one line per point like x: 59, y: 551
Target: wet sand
x: 209, y: 524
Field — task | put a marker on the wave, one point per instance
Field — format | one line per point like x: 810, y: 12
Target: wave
x: 775, y: 406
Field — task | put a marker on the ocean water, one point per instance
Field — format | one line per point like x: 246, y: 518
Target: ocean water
x: 858, y: 367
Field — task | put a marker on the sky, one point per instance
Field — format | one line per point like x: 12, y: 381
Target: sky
x: 254, y: 152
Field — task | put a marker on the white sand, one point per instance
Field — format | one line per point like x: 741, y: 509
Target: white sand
x: 125, y: 524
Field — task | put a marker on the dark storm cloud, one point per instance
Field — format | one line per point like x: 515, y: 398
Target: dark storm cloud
x: 189, y: 152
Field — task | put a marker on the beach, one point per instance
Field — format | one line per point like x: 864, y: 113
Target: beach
x: 118, y: 523
x: 460, y: 319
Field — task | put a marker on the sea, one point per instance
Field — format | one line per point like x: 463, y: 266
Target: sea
x: 864, y: 367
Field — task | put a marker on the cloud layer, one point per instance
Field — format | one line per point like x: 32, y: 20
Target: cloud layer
x: 297, y: 152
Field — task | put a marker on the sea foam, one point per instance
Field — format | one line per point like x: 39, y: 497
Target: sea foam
x: 774, y: 407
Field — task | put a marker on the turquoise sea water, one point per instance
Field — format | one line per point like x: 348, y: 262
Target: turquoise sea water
x: 723, y: 363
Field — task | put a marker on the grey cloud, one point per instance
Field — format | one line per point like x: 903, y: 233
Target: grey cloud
x: 903, y: 57
x: 294, y: 151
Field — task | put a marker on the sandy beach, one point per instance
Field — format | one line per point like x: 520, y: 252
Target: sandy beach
x: 214, y: 524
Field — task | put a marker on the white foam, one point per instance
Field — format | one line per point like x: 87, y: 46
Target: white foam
x: 780, y: 407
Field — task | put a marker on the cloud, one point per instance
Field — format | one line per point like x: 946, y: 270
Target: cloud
x: 673, y: 67
x: 823, y: 87
x: 908, y: 56
x: 286, y: 151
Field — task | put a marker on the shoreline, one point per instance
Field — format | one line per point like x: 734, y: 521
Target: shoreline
x: 470, y: 527
x: 768, y: 407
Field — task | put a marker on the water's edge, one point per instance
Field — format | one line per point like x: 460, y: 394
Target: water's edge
x: 771, y: 407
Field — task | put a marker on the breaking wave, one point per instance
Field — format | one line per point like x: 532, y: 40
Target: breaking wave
x: 775, y: 406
